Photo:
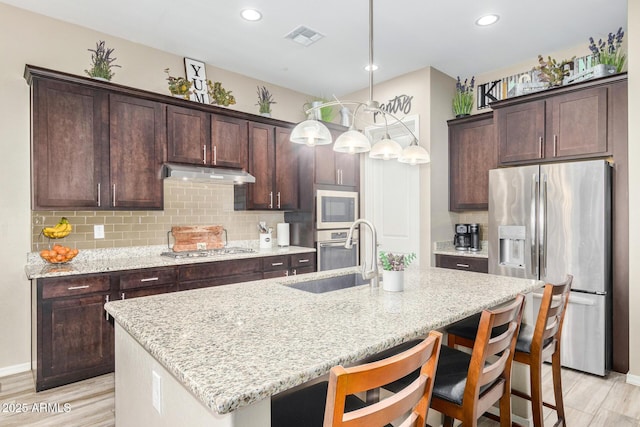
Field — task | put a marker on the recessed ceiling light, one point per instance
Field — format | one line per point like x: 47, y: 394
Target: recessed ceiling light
x: 251, y: 15
x: 485, y: 20
x: 366, y: 67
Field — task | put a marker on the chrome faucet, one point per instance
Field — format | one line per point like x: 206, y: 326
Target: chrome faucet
x: 373, y: 272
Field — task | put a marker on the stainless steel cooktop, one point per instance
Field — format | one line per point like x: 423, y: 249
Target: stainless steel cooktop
x: 208, y: 253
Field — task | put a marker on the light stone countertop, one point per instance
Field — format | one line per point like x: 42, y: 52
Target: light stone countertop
x: 131, y: 258
x: 235, y: 345
x: 447, y: 248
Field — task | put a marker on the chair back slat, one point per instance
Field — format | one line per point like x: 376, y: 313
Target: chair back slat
x: 551, y: 314
x: 415, y: 397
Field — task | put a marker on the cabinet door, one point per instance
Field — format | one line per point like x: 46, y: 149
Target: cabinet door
x: 229, y: 141
x: 472, y: 153
x: 137, y: 141
x: 76, y: 339
x: 521, y: 132
x: 348, y: 169
x: 69, y: 146
x: 286, y: 170
x: 577, y: 124
x: 261, y: 165
x: 326, y: 172
x: 188, y: 136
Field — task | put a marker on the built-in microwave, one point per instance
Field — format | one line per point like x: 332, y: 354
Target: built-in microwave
x: 336, y: 209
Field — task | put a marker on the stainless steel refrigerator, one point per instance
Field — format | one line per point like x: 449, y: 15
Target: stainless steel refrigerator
x: 547, y: 221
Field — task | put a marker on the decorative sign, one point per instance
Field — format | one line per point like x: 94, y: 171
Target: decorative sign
x: 399, y: 104
x: 197, y: 75
x: 520, y: 84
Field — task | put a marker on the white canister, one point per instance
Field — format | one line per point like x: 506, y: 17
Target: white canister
x: 265, y: 241
x: 282, y: 230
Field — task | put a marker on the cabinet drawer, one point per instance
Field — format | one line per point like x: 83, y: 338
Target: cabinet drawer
x: 480, y: 265
x: 217, y: 281
x: 71, y: 286
x: 280, y: 262
x: 217, y: 269
x: 303, y: 260
x: 146, y: 278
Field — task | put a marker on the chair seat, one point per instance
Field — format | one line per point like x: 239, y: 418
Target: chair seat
x: 305, y: 407
x: 468, y: 327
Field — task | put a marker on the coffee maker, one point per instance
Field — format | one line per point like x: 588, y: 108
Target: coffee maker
x: 467, y: 237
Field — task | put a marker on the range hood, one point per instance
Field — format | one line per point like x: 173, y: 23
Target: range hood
x: 205, y: 174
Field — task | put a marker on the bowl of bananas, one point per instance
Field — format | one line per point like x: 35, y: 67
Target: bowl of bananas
x: 60, y: 230
x: 58, y: 254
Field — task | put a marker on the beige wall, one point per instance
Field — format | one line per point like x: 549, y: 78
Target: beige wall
x: 27, y: 38
x: 633, y: 24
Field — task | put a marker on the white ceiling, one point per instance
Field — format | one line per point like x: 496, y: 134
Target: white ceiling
x: 408, y: 34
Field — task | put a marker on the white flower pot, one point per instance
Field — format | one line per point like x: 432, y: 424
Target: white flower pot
x: 393, y: 281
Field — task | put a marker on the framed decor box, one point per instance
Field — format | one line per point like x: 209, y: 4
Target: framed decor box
x: 197, y: 74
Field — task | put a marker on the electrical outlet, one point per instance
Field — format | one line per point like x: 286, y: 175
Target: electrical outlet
x: 98, y: 231
x: 156, y: 391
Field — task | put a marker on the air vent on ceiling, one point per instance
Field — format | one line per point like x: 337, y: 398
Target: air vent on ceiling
x: 304, y: 35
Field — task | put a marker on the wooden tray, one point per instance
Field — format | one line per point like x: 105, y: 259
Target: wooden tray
x: 197, y: 237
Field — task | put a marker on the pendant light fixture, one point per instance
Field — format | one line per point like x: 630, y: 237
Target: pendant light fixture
x: 312, y: 132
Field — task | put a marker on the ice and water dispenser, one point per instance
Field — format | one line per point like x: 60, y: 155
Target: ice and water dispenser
x: 512, y: 239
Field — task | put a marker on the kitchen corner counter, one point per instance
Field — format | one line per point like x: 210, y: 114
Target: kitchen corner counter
x: 234, y: 346
x: 132, y: 258
x: 447, y: 248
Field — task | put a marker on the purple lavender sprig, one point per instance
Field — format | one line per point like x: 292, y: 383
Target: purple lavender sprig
x: 609, y: 52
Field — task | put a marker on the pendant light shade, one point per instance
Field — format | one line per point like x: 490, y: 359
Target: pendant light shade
x: 352, y: 142
x: 386, y: 149
x: 311, y: 133
x: 414, y: 154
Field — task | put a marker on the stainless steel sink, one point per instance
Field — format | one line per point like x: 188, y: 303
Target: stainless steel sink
x: 320, y: 286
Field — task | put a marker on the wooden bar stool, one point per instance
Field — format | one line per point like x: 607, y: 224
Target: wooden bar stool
x: 337, y: 400
x: 535, y: 345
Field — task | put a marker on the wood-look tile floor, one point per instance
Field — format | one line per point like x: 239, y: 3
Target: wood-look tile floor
x: 590, y: 401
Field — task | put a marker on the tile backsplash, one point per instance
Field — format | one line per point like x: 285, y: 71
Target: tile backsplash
x: 184, y: 204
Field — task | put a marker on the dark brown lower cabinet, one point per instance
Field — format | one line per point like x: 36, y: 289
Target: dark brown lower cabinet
x: 480, y: 265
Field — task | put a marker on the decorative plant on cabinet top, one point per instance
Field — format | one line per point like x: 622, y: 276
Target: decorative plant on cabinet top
x: 178, y: 86
x: 265, y: 99
x: 101, y: 62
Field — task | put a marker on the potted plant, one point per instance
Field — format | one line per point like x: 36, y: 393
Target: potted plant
x: 553, y: 72
x: 609, y: 53
x: 393, y: 266
x: 101, y: 62
x: 463, y: 99
x: 179, y: 87
x: 265, y: 99
x: 219, y: 95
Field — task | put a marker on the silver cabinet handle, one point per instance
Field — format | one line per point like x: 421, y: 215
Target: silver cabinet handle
x: 286, y: 273
x: 540, y: 142
x: 295, y: 272
x: 215, y: 154
x: 106, y: 313
x: 278, y: 200
x: 204, y: 154
x: 122, y: 295
x: 270, y: 199
x: 99, y: 201
x: 303, y: 260
x: 73, y: 288
x: 114, y: 195
x: 341, y: 177
x: 462, y: 265
x: 149, y: 279
x: 555, y: 145
x: 275, y: 264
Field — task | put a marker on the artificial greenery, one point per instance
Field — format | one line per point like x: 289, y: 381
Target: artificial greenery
x: 178, y: 85
x: 265, y: 99
x: 101, y: 62
x: 396, y: 262
x: 220, y: 95
x: 609, y: 53
x: 553, y: 72
x: 463, y: 99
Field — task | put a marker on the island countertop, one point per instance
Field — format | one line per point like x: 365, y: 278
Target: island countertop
x: 234, y: 345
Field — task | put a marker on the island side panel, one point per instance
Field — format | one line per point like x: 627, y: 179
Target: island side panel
x: 134, y: 395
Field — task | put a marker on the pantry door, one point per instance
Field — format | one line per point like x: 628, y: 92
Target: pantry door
x: 392, y: 196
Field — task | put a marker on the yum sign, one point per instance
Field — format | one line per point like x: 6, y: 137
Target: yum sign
x: 197, y: 75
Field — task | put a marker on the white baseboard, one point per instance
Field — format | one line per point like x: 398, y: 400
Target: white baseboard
x: 633, y: 379
x: 15, y: 369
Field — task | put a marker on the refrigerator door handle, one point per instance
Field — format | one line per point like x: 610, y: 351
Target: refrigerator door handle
x: 573, y: 299
x: 534, y: 224
x: 543, y: 225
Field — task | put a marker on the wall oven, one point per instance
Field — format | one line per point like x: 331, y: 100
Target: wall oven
x: 335, y: 209
x: 331, y: 251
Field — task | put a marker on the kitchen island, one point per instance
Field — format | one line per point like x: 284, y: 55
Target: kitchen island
x: 215, y: 356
